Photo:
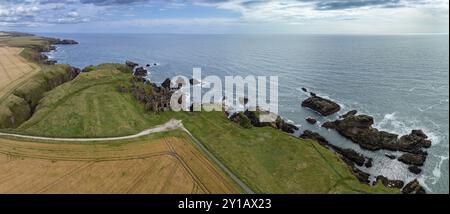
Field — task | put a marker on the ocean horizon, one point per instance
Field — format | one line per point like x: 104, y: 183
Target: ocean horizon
x: 400, y: 80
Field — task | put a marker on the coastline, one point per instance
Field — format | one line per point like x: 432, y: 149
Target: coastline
x: 45, y: 61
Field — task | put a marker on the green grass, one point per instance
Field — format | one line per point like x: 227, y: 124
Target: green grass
x: 268, y: 160
x: 91, y: 106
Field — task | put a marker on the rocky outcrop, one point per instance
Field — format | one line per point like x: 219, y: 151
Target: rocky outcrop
x: 390, y: 183
x: 311, y: 120
x: 369, y: 163
x: 155, y: 98
x: 166, y: 83
x: 392, y: 157
x: 255, y: 119
x: 358, y: 128
x: 413, y: 187
x: 310, y: 135
x: 54, y: 41
x: 131, y: 64
x: 350, y: 113
x: 413, y: 159
x: 351, y: 154
x: 363, y: 177
x: 321, y: 105
x: 140, y: 72
x: 415, y: 170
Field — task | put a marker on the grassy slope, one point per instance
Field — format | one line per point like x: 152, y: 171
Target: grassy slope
x: 269, y: 161
x: 91, y: 106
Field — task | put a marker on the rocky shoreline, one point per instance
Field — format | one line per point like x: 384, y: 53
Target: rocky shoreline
x: 358, y: 129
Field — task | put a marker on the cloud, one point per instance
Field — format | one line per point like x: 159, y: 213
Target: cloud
x: 277, y: 12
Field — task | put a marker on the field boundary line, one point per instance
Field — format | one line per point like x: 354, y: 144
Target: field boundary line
x: 173, y: 124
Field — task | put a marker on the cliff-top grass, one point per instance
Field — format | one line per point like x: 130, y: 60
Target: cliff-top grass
x: 267, y: 160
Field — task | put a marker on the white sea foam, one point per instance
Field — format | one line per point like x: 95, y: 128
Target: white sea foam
x: 437, y: 168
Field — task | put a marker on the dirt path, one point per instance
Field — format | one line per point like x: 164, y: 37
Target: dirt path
x: 171, y: 125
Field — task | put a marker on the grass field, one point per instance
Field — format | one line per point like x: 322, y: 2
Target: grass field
x: 267, y: 160
x: 91, y: 106
x: 155, y: 164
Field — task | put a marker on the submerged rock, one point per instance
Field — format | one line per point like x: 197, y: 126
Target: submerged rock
x: 414, y: 169
x: 310, y: 135
x: 413, y: 187
x: 369, y: 163
x: 321, y: 105
x: 392, y: 157
x: 311, y: 120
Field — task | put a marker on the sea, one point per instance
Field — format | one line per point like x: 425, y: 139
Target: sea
x: 400, y: 80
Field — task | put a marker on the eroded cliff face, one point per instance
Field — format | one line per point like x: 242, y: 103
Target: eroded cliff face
x: 20, y: 105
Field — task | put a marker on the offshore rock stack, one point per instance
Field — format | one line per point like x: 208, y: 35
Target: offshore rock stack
x: 358, y: 129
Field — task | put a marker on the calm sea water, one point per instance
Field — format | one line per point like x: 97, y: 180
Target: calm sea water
x: 403, y: 81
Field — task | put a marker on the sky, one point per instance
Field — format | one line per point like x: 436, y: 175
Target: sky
x: 226, y: 16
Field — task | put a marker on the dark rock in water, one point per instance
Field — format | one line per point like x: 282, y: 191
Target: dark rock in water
x: 321, y: 105
x: 311, y: 120
x: 392, y: 157
x: 304, y: 89
x: 312, y: 94
x: 413, y: 142
x: 351, y: 154
x: 419, y: 133
x: 358, y: 128
x: 413, y: 159
x: 148, y: 65
x: 288, y: 128
x: 361, y: 176
x: 413, y: 187
x: 390, y: 183
x: 329, y: 125
x: 166, y: 83
x: 140, y: 72
x: 414, y: 169
x: 350, y: 113
x: 155, y: 64
x: 369, y: 163
x: 131, y: 64
x: 310, y: 135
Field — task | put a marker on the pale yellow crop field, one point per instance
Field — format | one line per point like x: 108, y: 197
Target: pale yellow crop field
x: 13, y: 69
x: 166, y: 165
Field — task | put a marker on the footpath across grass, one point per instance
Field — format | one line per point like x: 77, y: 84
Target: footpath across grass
x: 267, y: 160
